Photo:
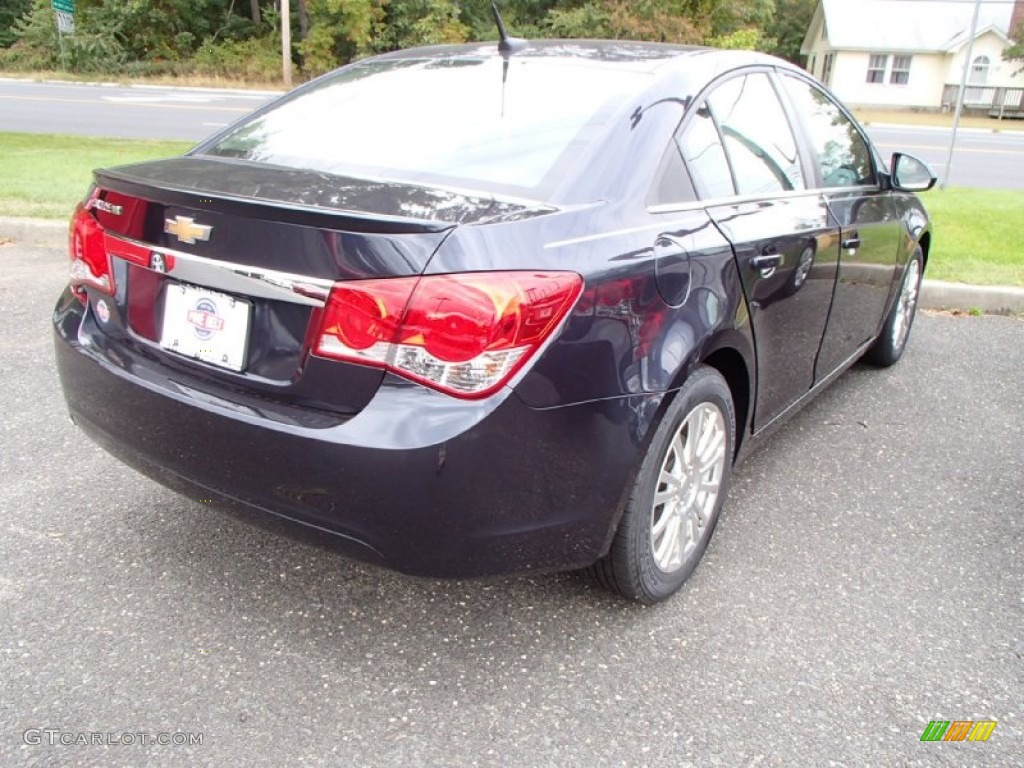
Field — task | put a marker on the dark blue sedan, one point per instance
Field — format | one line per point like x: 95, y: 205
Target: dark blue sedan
x: 476, y: 310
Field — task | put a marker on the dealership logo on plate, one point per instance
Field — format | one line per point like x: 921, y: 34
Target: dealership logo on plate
x: 204, y: 319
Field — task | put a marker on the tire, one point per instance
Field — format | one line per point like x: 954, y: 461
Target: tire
x: 675, y: 502
x: 889, y: 346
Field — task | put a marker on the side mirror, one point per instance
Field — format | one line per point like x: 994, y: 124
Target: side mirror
x: 909, y: 174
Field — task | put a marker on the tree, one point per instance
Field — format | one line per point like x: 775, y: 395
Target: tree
x: 655, y: 20
x: 339, y: 31
x: 10, y: 12
x: 729, y: 16
x: 789, y: 27
x: 1015, y: 52
x: 409, y: 23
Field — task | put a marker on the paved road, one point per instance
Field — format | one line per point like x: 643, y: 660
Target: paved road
x: 982, y: 159
x: 123, y: 112
x: 866, y: 578
x: 986, y: 160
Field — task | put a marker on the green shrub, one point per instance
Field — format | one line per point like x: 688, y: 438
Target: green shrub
x: 257, y: 58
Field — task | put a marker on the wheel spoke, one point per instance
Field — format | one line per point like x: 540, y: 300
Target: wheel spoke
x: 684, y: 448
x: 711, y: 454
x: 659, y: 527
x: 709, y: 487
x: 666, y: 554
x: 672, y: 483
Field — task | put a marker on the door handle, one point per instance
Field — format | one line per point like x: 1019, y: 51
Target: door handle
x: 766, y: 261
x: 851, y: 244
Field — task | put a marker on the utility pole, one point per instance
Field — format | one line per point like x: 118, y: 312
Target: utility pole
x: 963, y: 88
x: 286, y: 42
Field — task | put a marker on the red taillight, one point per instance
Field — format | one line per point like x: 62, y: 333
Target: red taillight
x: 90, y: 264
x: 464, y: 334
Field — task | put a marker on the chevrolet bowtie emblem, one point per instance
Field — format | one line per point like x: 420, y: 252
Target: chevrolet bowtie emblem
x: 186, y: 229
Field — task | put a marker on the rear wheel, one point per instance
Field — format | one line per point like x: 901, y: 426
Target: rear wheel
x: 678, y: 495
x: 889, y: 346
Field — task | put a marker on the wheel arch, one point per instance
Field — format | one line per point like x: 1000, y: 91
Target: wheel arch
x: 925, y: 241
x: 733, y: 368
x: 731, y: 354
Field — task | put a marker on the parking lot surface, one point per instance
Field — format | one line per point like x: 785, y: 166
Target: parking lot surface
x: 867, y: 577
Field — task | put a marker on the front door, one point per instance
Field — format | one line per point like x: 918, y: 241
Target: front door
x: 869, y: 230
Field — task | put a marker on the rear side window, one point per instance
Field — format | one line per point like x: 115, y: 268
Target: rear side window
x: 840, y: 149
x: 757, y: 136
x: 704, y: 155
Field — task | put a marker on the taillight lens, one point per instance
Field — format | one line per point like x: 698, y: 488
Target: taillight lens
x: 464, y: 334
x: 90, y: 264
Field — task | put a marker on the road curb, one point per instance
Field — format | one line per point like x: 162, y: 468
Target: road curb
x: 52, y: 233
x: 991, y: 299
x: 934, y: 293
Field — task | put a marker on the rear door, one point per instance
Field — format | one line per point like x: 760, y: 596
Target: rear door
x: 748, y: 166
x: 865, y: 214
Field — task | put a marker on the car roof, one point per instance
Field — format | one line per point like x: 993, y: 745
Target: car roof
x: 696, y: 65
x: 642, y: 56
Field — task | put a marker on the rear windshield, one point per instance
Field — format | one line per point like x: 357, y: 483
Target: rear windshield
x: 462, y: 121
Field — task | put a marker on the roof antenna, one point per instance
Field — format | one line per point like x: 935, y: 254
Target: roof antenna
x: 507, y: 45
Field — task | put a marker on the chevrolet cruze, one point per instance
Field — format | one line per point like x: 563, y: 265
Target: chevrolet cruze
x: 485, y: 309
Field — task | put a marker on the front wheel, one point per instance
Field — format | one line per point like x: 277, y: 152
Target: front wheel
x: 678, y: 495
x: 889, y: 346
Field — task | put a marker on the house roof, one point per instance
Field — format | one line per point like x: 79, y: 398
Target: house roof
x: 909, y: 25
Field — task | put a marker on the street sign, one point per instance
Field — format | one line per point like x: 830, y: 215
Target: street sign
x: 64, y: 11
x: 65, y: 23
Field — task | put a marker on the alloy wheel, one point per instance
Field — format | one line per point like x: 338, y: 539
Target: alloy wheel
x: 688, y: 487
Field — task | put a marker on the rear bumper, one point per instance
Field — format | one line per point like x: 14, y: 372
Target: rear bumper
x: 418, y: 482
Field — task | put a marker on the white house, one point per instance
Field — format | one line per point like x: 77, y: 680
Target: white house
x: 911, y: 53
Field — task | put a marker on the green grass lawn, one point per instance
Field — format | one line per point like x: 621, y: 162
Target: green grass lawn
x: 977, y: 232
x: 977, y: 236
x: 44, y: 176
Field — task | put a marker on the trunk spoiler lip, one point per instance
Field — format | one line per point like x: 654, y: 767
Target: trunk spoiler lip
x: 127, y: 180
x: 290, y: 213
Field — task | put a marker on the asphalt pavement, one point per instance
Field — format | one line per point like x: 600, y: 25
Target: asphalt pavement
x: 866, y: 578
x: 128, y: 112
x: 983, y: 159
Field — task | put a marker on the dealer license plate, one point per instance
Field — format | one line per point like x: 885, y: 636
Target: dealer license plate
x: 206, y: 325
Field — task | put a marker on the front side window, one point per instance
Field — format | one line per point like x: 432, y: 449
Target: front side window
x: 876, y: 68
x: 757, y: 136
x: 841, y: 151
x: 900, y: 70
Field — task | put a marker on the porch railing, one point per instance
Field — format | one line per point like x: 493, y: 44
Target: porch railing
x: 997, y: 101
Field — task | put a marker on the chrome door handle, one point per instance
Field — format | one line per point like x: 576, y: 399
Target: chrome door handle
x: 766, y: 261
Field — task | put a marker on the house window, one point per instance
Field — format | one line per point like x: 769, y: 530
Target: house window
x: 876, y: 68
x: 900, y: 74
x: 978, y: 77
x: 826, y: 71
x: 979, y: 70
x: 813, y: 65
